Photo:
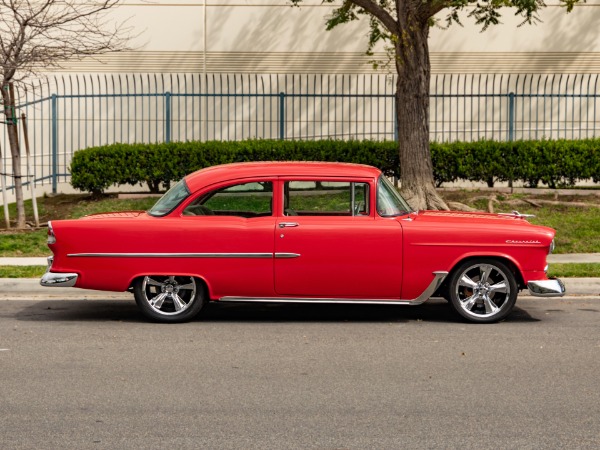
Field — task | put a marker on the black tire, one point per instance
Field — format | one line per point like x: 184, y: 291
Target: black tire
x: 169, y: 299
x: 483, y: 290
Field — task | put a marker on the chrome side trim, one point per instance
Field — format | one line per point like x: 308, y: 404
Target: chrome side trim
x: 286, y: 255
x: 183, y: 255
x: 546, y: 288
x: 55, y: 279
x: 427, y: 293
x: 438, y: 279
x: 315, y: 300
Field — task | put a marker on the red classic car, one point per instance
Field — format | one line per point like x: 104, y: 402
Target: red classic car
x: 300, y: 232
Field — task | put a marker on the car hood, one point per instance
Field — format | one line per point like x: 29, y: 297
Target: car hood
x: 469, y: 227
x: 469, y: 217
x: 115, y: 215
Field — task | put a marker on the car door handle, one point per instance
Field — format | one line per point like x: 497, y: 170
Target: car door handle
x: 288, y: 224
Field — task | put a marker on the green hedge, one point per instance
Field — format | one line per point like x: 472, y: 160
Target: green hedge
x: 95, y: 169
x: 555, y: 163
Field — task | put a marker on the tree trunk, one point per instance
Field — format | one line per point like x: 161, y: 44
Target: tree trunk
x: 412, y: 109
x: 13, y: 140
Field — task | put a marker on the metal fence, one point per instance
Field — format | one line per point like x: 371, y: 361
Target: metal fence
x: 69, y: 113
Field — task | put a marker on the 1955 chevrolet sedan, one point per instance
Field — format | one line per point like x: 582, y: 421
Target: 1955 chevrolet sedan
x: 300, y: 232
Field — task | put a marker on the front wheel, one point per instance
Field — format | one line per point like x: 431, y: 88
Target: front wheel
x: 483, y: 291
x: 169, y: 298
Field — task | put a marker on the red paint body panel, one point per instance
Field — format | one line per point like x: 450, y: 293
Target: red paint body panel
x: 351, y: 257
x: 150, y: 235
x: 356, y: 257
x: 443, y: 239
x: 217, y: 174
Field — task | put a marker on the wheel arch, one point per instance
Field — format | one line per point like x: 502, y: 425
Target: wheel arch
x: 509, y: 262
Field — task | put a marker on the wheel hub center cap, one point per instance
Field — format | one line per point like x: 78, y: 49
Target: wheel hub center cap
x: 482, y: 289
x: 169, y: 289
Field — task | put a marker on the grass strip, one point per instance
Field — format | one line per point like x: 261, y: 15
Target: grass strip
x: 24, y: 243
x: 22, y: 271
x: 574, y: 270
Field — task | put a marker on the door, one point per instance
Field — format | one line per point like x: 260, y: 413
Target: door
x: 329, y: 243
x: 229, y: 233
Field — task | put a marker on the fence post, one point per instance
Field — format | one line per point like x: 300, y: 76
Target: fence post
x: 54, y: 144
x: 167, y: 117
x: 511, y: 117
x: 511, y: 129
x: 281, y: 116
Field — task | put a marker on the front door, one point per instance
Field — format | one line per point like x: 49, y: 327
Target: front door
x: 330, y: 243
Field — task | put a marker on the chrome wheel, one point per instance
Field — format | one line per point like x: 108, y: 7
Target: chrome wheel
x: 483, y: 291
x: 168, y: 296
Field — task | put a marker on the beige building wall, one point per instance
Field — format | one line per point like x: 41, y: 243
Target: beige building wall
x: 270, y: 36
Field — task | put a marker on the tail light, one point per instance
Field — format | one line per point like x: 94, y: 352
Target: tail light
x: 51, y: 237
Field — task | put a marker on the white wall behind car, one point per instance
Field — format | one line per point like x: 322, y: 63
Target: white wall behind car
x: 270, y: 36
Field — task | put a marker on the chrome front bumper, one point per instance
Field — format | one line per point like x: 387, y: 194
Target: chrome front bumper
x: 56, y: 279
x: 546, y: 288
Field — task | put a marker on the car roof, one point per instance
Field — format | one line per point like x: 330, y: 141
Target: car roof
x: 214, y: 174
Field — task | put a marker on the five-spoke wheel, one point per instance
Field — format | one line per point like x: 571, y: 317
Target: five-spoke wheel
x: 483, y: 290
x: 169, y: 298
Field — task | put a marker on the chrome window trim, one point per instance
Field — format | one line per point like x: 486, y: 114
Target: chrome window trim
x: 185, y: 255
x: 383, y: 185
x: 187, y: 191
x: 352, y: 185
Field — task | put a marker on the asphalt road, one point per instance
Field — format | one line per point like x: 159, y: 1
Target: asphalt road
x: 94, y: 374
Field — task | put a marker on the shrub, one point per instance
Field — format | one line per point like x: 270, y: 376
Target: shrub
x: 555, y: 163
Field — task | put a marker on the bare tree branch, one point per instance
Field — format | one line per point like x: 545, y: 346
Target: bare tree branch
x: 40, y: 34
x: 36, y: 35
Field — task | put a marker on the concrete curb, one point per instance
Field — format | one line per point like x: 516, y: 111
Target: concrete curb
x: 568, y: 258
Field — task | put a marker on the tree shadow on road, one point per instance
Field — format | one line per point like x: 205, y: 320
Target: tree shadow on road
x: 435, y: 310
x: 80, y: 311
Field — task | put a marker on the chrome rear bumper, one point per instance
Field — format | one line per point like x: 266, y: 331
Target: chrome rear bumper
x: 56, y: 279
x: 546, y: 288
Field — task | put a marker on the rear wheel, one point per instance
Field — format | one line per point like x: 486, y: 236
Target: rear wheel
x: 483, y: 291
x: 169, y: 298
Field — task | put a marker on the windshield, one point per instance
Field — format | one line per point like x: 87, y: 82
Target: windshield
x: 389, y: 201
x: 170, y: 200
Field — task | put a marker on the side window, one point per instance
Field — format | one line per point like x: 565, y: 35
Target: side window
x: 326, y: 198
x: 248, y: 200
